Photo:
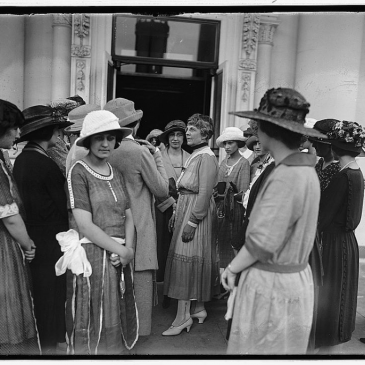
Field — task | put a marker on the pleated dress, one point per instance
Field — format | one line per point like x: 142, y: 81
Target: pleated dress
x: 18, y: 331
x: 192, y: 268
x: 340, y: 214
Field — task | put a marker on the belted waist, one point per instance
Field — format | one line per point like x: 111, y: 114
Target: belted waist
x: 291, y: 268
x: 185, y: 191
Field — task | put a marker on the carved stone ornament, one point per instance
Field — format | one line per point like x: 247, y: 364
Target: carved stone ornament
x: 80, y: 75
x: 245, y: 89
x: 250, y: 32
x: 80, y: 51
x: 82, y: 25
x: 266, y: 34
x: 247, y: 64
x: 62, y: 20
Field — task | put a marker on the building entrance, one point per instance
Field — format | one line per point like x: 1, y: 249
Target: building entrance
x: 163, y: 98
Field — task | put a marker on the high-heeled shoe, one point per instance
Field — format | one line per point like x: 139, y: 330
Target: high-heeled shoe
x: 200, y: 315
x: 176, y: 330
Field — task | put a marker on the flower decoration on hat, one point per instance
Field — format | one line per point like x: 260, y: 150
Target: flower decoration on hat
x: 61, y: 108
x: 348, y: 132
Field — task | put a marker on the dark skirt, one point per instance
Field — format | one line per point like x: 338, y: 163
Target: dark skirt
x: 163, y: 240
x: 337, y: 299
x: 49, y: 290
x: 229, y: 231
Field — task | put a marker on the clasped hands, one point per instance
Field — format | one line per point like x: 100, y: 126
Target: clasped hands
x: 228, y: 279
x: 124, y: 260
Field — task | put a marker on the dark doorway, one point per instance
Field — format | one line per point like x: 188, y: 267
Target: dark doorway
x: 164, y: 98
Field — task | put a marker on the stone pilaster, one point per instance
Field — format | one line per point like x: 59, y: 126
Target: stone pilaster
x: 268, y: 24
x: 247, y: 63
x: 80, y: 56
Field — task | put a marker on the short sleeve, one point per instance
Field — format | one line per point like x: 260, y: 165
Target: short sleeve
x: 78, y: 189
x: 8, y: 206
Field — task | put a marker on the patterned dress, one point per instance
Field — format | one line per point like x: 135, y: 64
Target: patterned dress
x: 325, y: 175
x: 340, y: 214
x: 231, y: 211
x: 100, y: 318
x: 192, y: 271
x: 18, y: 332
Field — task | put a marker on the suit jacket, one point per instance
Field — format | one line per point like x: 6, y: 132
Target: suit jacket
x: 145, y: 177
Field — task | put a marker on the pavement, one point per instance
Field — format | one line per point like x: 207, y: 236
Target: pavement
x: 208, y: 339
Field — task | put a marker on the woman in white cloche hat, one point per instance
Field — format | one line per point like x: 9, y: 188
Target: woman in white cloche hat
x: 101, y: 314
x: 233, y: 181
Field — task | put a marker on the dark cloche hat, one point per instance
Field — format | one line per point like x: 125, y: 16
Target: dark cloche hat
x: 175, y: 125
x: 285, y: 108
x: 323, y: 126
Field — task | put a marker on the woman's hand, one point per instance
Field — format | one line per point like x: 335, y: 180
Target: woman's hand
x: 30, y: 254
x: 228, y: 278
x: 151, y: 147
x: 188, y: 233
x: 115, y: 260
x: 127, y: 257
x: 171, y: 223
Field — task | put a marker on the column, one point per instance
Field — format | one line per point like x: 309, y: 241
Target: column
x: 268, y: 24
x: 247, y: 65
x: 38, y: 60
x: 284, y: 52
x: 328, y: 63
x: 12, y: 58
x: 61, y: 66
x: 81, y: 56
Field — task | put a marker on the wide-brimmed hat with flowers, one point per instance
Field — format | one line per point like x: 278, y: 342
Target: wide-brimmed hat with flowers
x: 230, y: 134
x: 100, y: 121
x: 40, y: 116
x: 285, y: 108
x: 349, y: 136
x: 173, y: 126
x: 78, y: 115
x: 124, y: 110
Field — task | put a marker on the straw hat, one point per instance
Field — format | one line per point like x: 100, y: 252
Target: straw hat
x: 40, y: 116
x: 78, y: 115
x: 285, y: 108
x: 124, y: 110
x: 251, y: 142
x: 100, y: 121
x: 324, y: 126
x: 230, y: 134
x: 173, y: 126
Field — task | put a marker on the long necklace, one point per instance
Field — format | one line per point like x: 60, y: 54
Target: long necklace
x: 347, y: 165
x: 176, y: 167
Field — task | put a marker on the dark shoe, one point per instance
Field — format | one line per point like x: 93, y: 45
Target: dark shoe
x: 362, y: 339
x: 166, y: 302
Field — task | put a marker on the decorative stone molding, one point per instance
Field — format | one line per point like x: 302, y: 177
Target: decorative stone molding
x: 245, y: 88
x: 247, y: 64
x: 268, y: 26
x: 81, y: 55
x: 80, y: 75
x: 82, y: 25
x: 61, y: 20
x: 250, y: 32
x: 80, y: 51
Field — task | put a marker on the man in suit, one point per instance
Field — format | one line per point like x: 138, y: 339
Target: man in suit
x: 145, y: 177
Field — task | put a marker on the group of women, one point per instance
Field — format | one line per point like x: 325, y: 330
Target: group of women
x: 261, y: 222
